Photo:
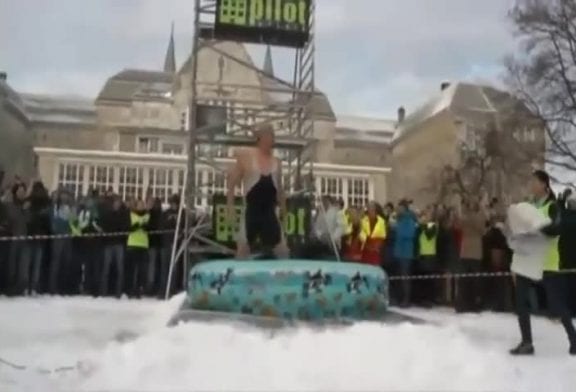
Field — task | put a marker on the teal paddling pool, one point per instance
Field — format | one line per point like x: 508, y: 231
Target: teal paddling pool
x: 289, y: 289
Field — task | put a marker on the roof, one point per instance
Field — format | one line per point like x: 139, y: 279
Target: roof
x: 365, y: 123
x: 12, y: 100
x: 129, y: 84
x: 463, y: 99
x: 64, y: 109
x: 364, y: 129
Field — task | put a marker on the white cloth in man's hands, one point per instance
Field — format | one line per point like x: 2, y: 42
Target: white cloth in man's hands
x: 524, y: 218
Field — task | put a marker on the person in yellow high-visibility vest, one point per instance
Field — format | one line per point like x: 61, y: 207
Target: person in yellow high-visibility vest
x: 353, y: 243
x: 427, y: 262
x: 373, y: 235
x: 137, y: 249
x: 554, y: 282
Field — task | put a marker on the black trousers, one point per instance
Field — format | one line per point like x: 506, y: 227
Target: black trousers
x: 136, y: 271
x: 468, y: 296
x: 556, y: 287
x: 426, y: 291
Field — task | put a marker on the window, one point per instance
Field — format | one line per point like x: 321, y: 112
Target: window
x: 131, y: 184
x: 148, y: 144
x: 160, y: 183
x: 172, y: 148
x: 184, y: 120
x: 101, y: 178
x: 222, y: 151
x: 181, y: 181
x: 358, y: 192
x: 331, y: 186
x: 71, y: 178
x: 216, y: 182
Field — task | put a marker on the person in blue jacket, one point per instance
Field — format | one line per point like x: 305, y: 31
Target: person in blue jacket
x: 405, y: 230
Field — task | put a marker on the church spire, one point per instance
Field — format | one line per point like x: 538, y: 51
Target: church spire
x: 268, y: 66
x: 170, y: 60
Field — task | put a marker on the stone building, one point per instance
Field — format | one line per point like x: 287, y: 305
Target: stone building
x: 133, y: 136
x: 480, y: 134
x: 16, y: 150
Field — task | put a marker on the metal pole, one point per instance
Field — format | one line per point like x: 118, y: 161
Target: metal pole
x: 332, y: 242
x: 191, y: 177
x: 181, y: 208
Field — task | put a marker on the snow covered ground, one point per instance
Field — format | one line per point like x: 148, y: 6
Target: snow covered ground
x: 451, y: 353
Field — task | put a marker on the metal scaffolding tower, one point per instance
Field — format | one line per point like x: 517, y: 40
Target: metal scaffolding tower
x: 287, y: 105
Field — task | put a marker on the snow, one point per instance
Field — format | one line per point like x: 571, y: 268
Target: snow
x: 450, y: 353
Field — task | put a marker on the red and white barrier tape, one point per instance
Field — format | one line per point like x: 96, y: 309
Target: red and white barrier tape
x: 65, y: 236
x: 465, y: 275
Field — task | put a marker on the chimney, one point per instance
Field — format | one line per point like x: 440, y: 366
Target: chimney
x: 3, y: 76
x: 401, y: 114
x: 444, y: 86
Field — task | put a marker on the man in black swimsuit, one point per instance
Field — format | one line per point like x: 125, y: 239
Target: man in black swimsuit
x: 261, y: 174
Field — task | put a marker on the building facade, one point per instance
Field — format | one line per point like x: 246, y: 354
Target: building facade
x: 133, y: 137
x: 16, y: 149
x: 468, y: 140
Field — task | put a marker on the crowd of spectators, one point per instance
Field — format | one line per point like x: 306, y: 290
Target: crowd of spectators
x: 100, y: 245
x: 97, y: 245
x: 436, y: 240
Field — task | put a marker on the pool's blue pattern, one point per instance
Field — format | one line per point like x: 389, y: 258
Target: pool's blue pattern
x: 291, y: 289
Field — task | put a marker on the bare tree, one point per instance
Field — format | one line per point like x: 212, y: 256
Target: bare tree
x: 543, y: 76
x: 495, y: 162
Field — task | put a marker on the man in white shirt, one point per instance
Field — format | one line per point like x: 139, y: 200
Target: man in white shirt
x: 329, y: 225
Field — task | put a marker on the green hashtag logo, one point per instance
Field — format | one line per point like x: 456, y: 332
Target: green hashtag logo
x: 234, y: 12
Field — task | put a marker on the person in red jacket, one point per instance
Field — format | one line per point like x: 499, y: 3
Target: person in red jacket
x: 353, y: 240
x: 373, y: 235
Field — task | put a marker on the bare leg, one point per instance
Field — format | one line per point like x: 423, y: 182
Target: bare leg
x: 242, y: 250
x: 281, y: 250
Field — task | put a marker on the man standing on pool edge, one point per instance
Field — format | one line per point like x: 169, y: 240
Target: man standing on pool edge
x: 261, y: 175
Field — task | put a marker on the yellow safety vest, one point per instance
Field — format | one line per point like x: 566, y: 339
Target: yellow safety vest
x: 428, y: 245
x: 139, y: 237
x: 379, y: 231
x: 553, y: 257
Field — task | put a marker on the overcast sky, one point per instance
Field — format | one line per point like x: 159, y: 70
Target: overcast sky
x: 372, y: 55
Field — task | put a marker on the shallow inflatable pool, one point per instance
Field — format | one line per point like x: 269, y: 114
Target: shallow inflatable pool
x: 289, y: 289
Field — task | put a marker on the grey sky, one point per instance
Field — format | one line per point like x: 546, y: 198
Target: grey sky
x: 372, y: 55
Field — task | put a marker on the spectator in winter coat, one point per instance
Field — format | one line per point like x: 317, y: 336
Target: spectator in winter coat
x: 567, y: 241
x: 137, y: 250
x: 473, y: 225
x: 154, y: 251
x: 87, y: 247
x: 114, y: 218
x: 38, y: 225
x: 168, y: 225
x: 63, y: 215
x: 4, y: 247
x: 405, y: 231
x: 353, y: 240
x: 373, y: 235
x: 497, y: 292
x: 427, y: 261
x: 18, y: 217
